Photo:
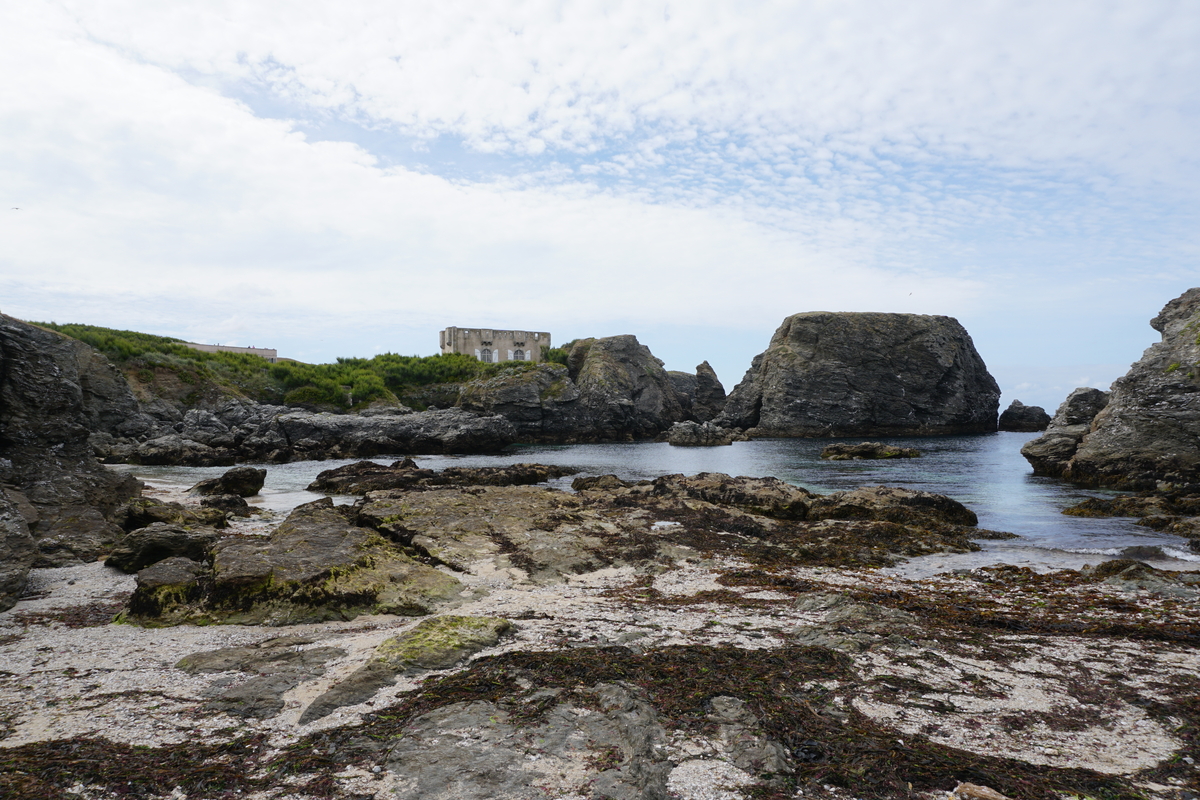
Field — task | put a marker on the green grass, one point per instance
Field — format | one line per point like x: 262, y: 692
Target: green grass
x: 345, y: 384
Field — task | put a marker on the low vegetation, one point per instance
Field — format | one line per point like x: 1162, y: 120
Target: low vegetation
x: 157, y: 364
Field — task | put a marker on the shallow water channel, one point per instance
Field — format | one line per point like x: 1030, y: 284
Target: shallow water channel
x: 985, y: 472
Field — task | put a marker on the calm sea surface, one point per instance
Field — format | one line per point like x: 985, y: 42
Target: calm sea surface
x: 986, y: 472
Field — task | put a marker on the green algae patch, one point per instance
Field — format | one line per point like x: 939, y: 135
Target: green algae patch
x: 442, y: 641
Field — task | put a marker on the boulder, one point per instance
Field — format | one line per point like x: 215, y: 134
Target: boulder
x: 613, y: 389
x: 865, y: 374
x: 240, y: 481
x: 229, y: 503
x: 47, y: 465
x: 1050, y: 452
x: 17, y: 554
x: 172, y: 448
x: 867, y: 450
x: 142, y: 511
x: 891, y: 504
x: 769, y: 497
x: 315, y: 567
x: 1149, y: 433
x: 159, y: 541
x: 699, y: 434
x: 1021, y: 418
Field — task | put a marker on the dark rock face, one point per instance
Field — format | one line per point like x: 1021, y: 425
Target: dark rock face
x: 613, y: 389
x: 709, y: 399
x: 231, y: 503
x: 1024, y: 419
x: 159, y: 541
x: 864, y: 374
x: 142, y: 511
x: 316, y: 566
x: 1150, y: 430
x: 47, y: 467
x: 1050, y: 452
x: 367, y: 476
x: 699, y: 434
x: 17, y: 554
x: 240, y: 481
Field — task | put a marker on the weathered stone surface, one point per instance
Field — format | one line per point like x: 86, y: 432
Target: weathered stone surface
x: 684, y: 384
x: 1024, y: 419
x: 1050, y: 452
x: 229, y: 503
x: 240, y: 481
x: 436, y: 643
x: 613, y: 389
x: 17, y: 553
x: 891, y: 504
x: 769, y: 497
x: 172, y: 448
x: 316, y: 566
x: 700, y: 434
x: 709, y: 398
x: 64, y: 494
x: 367, y: 476
x: 595, y: 723
x: 142, y: 511
x: 865, y: 374
x: 1150, y: 430
x: 867, y: 450
x: 158, y: 541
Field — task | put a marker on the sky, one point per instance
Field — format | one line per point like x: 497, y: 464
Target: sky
x: 345, y: 179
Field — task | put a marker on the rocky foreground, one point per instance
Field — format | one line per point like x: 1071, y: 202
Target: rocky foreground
x: 478, y: 636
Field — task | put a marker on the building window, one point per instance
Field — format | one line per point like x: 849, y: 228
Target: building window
x: 485, y: 355
x: 519, y: 355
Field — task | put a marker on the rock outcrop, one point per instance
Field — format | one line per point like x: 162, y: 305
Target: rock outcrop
x: 709, y: 398
x: 367, y: 476
x: 1050, y: 453
x: 865, y: 374
x: 47, y: 469
x: 1021, y: 418
x: 1149, y: 432
x: 612, y: 389
x: 17, y: 554
x: 239, y: 481
x: 867, y: 450
x: 316, y: 566
x: 699, y: 434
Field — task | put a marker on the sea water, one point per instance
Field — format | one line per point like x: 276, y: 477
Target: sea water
x: 985, y: 472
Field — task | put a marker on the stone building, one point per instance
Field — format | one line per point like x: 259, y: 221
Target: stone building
x: 491, y: 345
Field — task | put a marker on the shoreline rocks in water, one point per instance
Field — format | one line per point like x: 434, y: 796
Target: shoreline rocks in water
x: 1021, y: 418
x: 867, y: 450
x: 1148, y: 430
x: 865, y: 374
x: 367, y: 476
x: 701, y: 434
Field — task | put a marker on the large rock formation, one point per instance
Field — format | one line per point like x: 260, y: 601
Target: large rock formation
x: 1021, y: 418
x: 865, y: 374
x: 1050, y: 452
x: 612, y: 389
x: 701, y: 395
x: 17, y: 554
x: 1149, y: 432
x: 47, y: 470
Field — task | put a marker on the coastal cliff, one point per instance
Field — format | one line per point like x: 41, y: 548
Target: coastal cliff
x: 1148, y: 432
x: 865, y: 374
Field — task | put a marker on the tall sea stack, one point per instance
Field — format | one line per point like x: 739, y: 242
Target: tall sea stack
x: 865, y: 374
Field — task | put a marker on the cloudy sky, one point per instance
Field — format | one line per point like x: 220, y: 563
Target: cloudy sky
x: 348, y: 178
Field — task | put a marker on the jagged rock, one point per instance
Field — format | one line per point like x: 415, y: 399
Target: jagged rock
x: 46, y: 461
x: 684, y: 384
x: 599, y: 482
x: 1050, y: 452
x: 709, y: 398
x: 1149, y: 433
x: 240, y: 481
x: 142, y: 511
x: 613, y: 389
x: 367, y: 476
x: 17, y: 554
x: 175, y: 449
x: 451, y: 430
x: 769, y: 497
x: 1024, y: 419
x: 699, y: 434
x: 867, y: 450
x: 891, y: 504
x: 865, y: 374
x: 436, y: 643
x: 230, y: 503
x: 316, y: 566
x: 158, y: 541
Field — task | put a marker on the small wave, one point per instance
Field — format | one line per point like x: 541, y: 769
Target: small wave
x: 1182, y: 555
x: 1094, y: 551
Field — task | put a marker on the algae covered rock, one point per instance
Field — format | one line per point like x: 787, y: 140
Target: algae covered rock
x: 158, y: 541
x: 867, y: 450
x: 699, y: 434
x: 316, y: 566
x: 240, y: 481
x: 367, y: 476
x: 142, y: 511
x: 865, y: 374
